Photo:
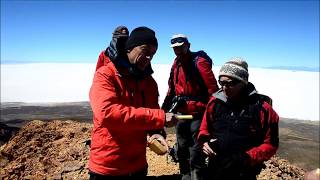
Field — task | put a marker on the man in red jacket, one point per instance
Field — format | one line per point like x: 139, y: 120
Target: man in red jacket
x: 239, y: 129
x: 191, y: 84
x: 124, y: 101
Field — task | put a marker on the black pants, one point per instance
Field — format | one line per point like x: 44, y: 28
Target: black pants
x: 219, y: 170
x: 189, y: 151
x: 226, y: 175
x: 137, y: 175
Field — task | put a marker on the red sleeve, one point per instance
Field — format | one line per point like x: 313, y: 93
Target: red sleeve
x: 207, y: 75
x: 271, y: 140
x: 204, y: 133
x: 110, y: 112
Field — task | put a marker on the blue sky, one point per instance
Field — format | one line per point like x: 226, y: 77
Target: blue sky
x: 266, y: 33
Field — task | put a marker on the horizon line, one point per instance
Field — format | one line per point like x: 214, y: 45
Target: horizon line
x: 279, y: 67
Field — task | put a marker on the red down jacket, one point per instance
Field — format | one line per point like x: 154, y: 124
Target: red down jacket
x: 187, y: 84
x: 102, y: 60
x: 124, y: 109
x: 268, y: 118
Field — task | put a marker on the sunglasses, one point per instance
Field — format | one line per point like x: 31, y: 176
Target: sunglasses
x: 228, y: 83
x: 178, y: 40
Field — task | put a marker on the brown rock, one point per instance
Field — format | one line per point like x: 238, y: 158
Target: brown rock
x: 57, y: 150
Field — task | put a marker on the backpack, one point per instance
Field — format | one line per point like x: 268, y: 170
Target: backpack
x: 255, y: 108
x: 265, y: 98
x: 195, y: 57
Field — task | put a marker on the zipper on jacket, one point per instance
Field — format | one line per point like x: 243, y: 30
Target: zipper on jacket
x: 136, y: 87
x: 143, y: 99
x: 131, y: 94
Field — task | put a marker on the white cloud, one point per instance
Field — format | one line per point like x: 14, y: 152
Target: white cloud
x: 295, y: 94
x: 46, y: 82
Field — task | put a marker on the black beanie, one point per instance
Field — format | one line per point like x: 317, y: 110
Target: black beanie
x: 140, y: 36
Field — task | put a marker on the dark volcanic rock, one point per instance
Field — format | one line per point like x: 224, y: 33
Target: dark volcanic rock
x: 18, y: 114
x: 6, y: 132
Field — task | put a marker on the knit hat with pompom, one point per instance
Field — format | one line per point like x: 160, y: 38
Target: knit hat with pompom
x: 235, y: 68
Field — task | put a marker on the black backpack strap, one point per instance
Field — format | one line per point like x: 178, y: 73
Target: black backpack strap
x: 195, y: 58
x: 203, y: 54
x: 265, y: 121
x: 265, y: 98
x: 255, y: 109
x: 262, y: 127
x: 216, y: 110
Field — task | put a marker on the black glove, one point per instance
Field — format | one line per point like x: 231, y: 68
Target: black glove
x: 232, y: 166
x: 167, y: 103
x: 214, y: 145
x: 242, y: 158
x: 177, y: 102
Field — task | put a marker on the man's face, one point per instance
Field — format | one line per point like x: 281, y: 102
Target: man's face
x: 231, y: 87
x: 141, y: 56
x: 181, y: 50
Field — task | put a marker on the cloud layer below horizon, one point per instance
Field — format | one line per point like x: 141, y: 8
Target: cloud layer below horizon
x: 295, y: 94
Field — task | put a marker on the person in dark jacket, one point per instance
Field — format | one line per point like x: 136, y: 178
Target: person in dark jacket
x: 124, y: 101
x: 191, y: 84
x: 239, y: 130
x: 116, y: 48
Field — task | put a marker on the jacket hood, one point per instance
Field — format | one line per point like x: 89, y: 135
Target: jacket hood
x: 116, y: 48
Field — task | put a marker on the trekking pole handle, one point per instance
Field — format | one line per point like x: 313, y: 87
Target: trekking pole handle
x: 182, y: 117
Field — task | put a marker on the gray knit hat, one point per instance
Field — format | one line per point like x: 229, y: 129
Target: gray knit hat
x: 235, y: 68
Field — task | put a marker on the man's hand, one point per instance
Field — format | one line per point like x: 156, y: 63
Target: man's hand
x: 159, y: 138
x: 207, y: 149
x: 171, y: 120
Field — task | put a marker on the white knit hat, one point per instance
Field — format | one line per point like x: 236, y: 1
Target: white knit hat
x: 235, y: 68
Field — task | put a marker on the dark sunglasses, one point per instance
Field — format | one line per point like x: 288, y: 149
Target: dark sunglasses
x: 178, y: 40
x: 228, y: 83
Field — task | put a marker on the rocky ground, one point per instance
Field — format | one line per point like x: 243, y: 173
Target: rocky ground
x: 57, y: 150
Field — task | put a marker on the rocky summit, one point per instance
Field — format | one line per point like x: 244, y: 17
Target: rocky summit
x: 58, y: 150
